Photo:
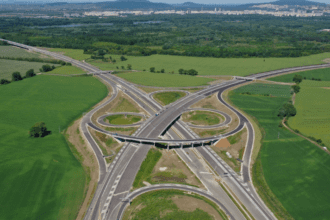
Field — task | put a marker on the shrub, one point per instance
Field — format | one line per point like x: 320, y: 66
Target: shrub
x: 297, y: 78
x: 39, y: 130
x: 46, y: 68
x: 129, y: 66
x: 30, y: 73
x: 4, y: 82
x: 152, y: 69
x: 162, y: 71
x: 68, y: 64
x: 296, y: 88
x: 16, y: 76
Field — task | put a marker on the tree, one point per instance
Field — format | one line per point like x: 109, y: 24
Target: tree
x: 162, y: 71
x: 296, y: 88
x: 68, y: 64
x: 30, y: 73
x: 4, y: 81
x: 152, y: 69
x: 39, y: 129
x: 122, y: 58
x: 16, y: 76
x: 181, y: 71
x: 129, y: 66
x: 297, y: 78
x: 123, y: 67
x: 287, y: 110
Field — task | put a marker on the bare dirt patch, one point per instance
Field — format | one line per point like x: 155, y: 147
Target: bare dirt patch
x: 273, y: 82
x: 326, y: 87
x: 223, y: 144
x: 190, y: 204
x: 327, y: 60
x: 176, y: 170
x: 214, y: 103
x: 88, y: 160
x: 236, y: 148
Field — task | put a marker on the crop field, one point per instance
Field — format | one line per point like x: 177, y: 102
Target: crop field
x: 296, y: 171
x: 10, y: 66
x: 323, y: 74
x: 166, y: 98
x: 164, y: 79
x: 40, y: 177
x: 9, y: 51
x: 122, y: 120
x: 171, y: 205
x: 66, y: 70
x: 313, y: 110
x: 265, y: 89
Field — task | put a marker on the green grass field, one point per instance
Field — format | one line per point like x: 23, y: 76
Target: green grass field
x: 213, y: 66
x: 159, y: 205
x: 164, y: 79
x: 203, y: 118
x: 313, y: 110
x: 122, y: 120
x: 73, y: 53
x: 166, y: 98
x: 40, y: 177
x: 296, y: 171
x: 323, y: 74
x: 9, y: 51
x: 204, y: 66
x: 265, y: 89
x: 10, y: 66
x: 66, y: 70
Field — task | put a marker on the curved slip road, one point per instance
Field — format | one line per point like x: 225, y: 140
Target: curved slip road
x: 196, y: 190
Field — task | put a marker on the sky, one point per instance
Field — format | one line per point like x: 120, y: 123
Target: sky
x: 169, y: 1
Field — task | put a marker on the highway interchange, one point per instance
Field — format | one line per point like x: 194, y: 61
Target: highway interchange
x: 115, y: 181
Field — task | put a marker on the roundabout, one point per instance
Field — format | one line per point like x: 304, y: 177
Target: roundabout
x: 121, y: 119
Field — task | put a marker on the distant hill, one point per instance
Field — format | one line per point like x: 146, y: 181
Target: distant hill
x: 295, y: 2
x: 132, y: 4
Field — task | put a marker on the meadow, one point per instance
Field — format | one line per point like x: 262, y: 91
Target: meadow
x: 164, y: 79
x: 10, y: 51
x: 123, y: 120
x: 166, y: 98
x: 295, y: 170
x: 204, y: 65
x: 10, y: 66
x: 40, y: 177
x: 323, y: 74
x: 313, y: 107
x: 66, y: 70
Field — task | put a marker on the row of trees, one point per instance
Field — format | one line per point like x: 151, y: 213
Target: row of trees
x: 39, y: 60
x: 16, y: 76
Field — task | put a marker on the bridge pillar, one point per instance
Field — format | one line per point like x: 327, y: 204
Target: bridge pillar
x: 181, y: 145
x: 168, y: 147
x: 202, y: 144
